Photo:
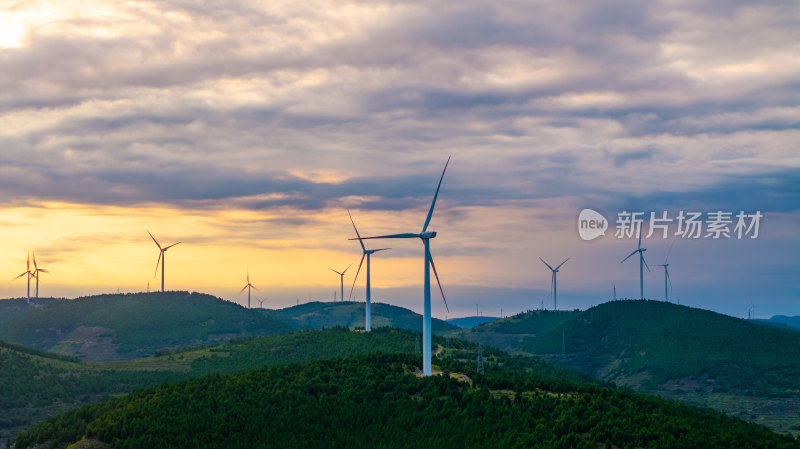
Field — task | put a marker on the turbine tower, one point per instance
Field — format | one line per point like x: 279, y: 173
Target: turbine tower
x: 248, y: 286
x: 341, y: 281
x: 553, y: 284
x: 642, y: 264
x: 161, y: 259
x: 425, y: 236
x: 667, y: 280
x: 36, y: 271
x: 365, y: 253
x: 30, y: 274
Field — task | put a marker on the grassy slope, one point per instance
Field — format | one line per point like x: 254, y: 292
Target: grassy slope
x: 377, y: 401
x: 108, y: 327
x: 316, y: 315
x: 690, y: 354
x: 12, y: 308
x: 512, y: 333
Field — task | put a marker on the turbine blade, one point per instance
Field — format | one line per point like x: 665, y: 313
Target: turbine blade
x: 42, y: 270
x: 433, y: 203
x: 356, y: 229
x: 645, y: 262
x: 23, y: 274
x: 665, y: 259
x: 335, y: 271
x: 252, y: 286
x: 629, y: 255
x: 158, y: 261
x: 356, y: 278
x: 345, y: 270
x: 34, y: 262
x: 640, y: 239
x: 170, y: 246
x: 380, y: 249
x: 437, y: 280
x: 154, y: 239
x: 562, y: 263
x: 407, y: 235
x: 669, y: 279
x: 548, y: 265
x: 243, y: 289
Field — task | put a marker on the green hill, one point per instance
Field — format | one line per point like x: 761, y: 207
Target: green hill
x: 512, y: 333
x: 378, y: 401
x: 12, y: 308
x: 110, y: 327
x: 695, y: 355
x: 35, y: 386
x: 318, y: 315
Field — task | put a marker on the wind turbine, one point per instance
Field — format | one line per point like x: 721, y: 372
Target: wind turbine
x: 248, y: 286
x: 341, y: 280
x: 667, y: 279
x: 29, y: 273
x: 161, y: 259
x: 553, y: 284
x: 365, y: 253
x: 425, y: 236
x: 642, y: 264
x: 260, y: 302
x: 36, y: 271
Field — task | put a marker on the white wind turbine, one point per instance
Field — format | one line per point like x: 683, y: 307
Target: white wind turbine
x: 248, y: 286
x: 553, y: 283
x: 161, y: 259
x: 365, y: 253
x: 667, y: 279
x: 425, y: 236
x: 30, y: 274
x: 642, y: 264
x: 341, y: 281
x: 36, y: 271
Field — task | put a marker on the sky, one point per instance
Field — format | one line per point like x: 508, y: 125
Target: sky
x: 245, y: 130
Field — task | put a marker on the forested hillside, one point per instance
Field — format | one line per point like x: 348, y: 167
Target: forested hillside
x: 111, y: 327
x: 377, y: 401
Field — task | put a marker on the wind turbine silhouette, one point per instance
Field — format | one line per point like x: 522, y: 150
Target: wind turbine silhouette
x: 425, y: 236
x: 161, y: 259
x: 642, y: 264
x: 260, y: 302
x: 36, y: 271
x: 29, y: 273
x: 553, y: 284
x: 248, y: 286
x: 667, y: 279
x: 365, y: 253
x: 341, y: 280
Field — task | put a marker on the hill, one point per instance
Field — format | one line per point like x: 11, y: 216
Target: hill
x: 35, y: 385
x: 471, y: 321
x: 694, y: 355
x: 12, y: 308
x: 791, y: 321
x: 512, y: 333
x: 379, y: 401
x: 318, y: 315
x: 111, y: 327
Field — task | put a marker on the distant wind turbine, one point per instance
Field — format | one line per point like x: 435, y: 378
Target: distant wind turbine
x: 261, y: 303
x: 365, y: 253
x: 642, y: 264
x: 341, y: 280
x: 161, y: 259
x: 425, y: 236
x: 553, y: 284
x: 667, y: 279
x: 30, y: 274
x: 36, y: 271
x: 248, y: 286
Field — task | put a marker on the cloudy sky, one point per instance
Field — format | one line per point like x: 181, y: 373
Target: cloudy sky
x: 246, y: 129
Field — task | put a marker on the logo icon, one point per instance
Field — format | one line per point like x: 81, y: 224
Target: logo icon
x: 591, y: 224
